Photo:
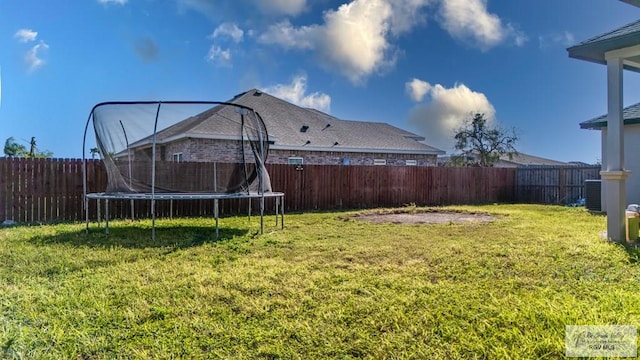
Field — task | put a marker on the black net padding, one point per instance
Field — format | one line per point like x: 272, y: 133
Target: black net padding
x: 181, y: 147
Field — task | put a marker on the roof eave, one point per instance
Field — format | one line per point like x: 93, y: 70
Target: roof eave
x: 598, y: 125
x: 635, y: 3
x: 595, y: 51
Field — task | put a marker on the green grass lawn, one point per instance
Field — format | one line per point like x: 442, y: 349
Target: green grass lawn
x: 325, y: 286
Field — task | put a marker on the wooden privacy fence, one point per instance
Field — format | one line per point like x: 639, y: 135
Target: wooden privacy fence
x: 50, y: 190
x: 553, y: 184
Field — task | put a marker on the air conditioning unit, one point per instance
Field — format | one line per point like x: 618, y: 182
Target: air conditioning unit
x: 593, y: 201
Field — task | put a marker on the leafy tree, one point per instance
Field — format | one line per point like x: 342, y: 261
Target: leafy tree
x: 95, y: 152
x: 481, y: 144
x: 13, y: 149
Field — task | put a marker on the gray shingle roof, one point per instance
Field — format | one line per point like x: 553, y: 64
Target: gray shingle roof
x: 632, y: 2
x: 285, y: 120
x: 628, y: 29
x: 631, y: 115
x: 325, y: 132
x: 528, y: 160
x: 594, y: 49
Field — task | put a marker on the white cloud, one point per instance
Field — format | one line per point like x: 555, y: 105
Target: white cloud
x: 406, y: 14
x: 289, y: 37
x: 219, y: 56
x: 296, y: 93
x: 356, y: 39
x: 417, y: 89
x: 32, y: 57
x: 214, y: 10
x: 564, y: 39
x: 469, y: 20
x: 447, y: 111
x: 281, y: 7
x: 25, y: 35
x: 230, y: 30
x: 118, y: 2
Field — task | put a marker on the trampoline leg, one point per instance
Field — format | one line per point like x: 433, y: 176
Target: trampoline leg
x: 98, y: 205
x: 86, y: 213
x: 106, y: 216
x: 262, y: 215
x: 277, y: 206
x: 153, y: 220
x: 282, y: 213
x: 132, y: 211
x: 215, y: 214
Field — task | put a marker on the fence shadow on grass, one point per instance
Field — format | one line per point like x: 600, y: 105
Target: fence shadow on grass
x: 138, y: 236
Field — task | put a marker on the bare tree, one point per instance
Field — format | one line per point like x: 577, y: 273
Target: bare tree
x: 482, y: 145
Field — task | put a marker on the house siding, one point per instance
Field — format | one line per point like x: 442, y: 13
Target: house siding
x: 631, y: 163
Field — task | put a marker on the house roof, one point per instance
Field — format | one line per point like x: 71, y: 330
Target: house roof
x: 325, y: 132
x: 521, y: 159
x: 630, y: 114
x: 284, y: 122
x: 594, y: 49
x: 632, y: 2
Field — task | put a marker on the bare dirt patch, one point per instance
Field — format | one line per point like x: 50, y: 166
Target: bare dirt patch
x: 428, y: 217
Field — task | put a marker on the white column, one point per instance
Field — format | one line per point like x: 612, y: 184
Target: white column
x: 614, y: 176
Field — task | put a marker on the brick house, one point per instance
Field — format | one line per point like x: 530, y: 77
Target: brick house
x: 297, y: 136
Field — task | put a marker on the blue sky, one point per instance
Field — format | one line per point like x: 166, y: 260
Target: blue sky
x: 421, y: 65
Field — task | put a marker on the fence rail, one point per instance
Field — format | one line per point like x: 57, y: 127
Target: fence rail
x: 50, y: 190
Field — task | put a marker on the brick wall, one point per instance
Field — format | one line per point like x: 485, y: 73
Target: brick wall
x: 229, y: 151
x: 336, y: 158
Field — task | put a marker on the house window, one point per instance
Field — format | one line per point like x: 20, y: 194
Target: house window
x: 346, y: 161
x: 294, y: 160
x: 411, y: 162
x: 379, y: 161
x: 177, y: 157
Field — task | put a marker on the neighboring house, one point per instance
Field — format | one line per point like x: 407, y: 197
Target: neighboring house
x: 517, y: 160
x: 521, y: 159
x: 297, y: 136
x: 631, y: 116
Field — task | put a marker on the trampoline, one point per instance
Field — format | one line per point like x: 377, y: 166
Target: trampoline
x: 179, y: 150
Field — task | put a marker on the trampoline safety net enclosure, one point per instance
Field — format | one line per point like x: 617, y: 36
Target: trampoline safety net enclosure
x: 178, y: 150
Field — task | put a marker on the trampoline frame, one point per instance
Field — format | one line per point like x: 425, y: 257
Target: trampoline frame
x: 278, y: 196
x: 153, y: 196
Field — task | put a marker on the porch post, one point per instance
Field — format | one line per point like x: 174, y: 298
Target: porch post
x: 614, y: 175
